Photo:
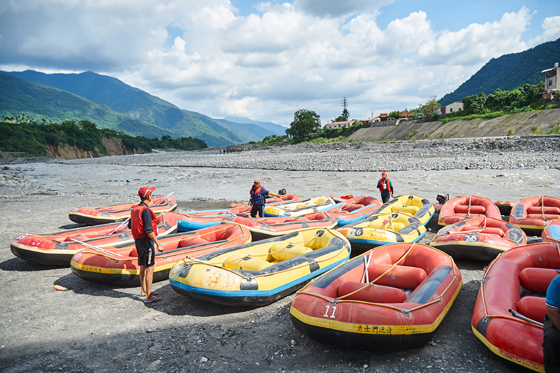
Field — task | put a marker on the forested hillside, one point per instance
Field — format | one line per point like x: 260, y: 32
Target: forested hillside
x: 509, y: 72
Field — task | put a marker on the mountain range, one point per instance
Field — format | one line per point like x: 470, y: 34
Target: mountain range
x: 508, y: 72
x: 110, y: 103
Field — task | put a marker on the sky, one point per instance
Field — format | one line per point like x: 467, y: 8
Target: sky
x: 266, y: 60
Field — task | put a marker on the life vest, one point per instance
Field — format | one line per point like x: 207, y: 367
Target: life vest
x: 136, y: 223
x: 388, y: 185
x: 256, y: 197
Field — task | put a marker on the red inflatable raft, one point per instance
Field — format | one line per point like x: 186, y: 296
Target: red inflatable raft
x: 511, y: 303
x: 467, y: 207
x: 534, y: 213
x: 262, y: 228
x: 120, y: 264
x: 478, y: 238
x: 392, y: 297
x: 354, y: 209
x: 58, y: 248
x: 115, y: 213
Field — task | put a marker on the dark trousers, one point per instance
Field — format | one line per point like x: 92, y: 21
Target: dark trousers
x: 257, y: 210
x: 385, y: 198
x: 551, y: 347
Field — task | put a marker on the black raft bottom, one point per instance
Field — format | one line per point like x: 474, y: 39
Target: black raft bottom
x: 42, y: 258
x: 364, y: 342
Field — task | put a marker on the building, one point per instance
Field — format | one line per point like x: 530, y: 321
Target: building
x: 440, y: 110
x: 336, y: 125
x: 406, y: 115
x: 453, y: 107
x: 551, y: 82
x: 384, y: 117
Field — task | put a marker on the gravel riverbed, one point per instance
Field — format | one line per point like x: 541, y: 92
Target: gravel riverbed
x: 101, y: 328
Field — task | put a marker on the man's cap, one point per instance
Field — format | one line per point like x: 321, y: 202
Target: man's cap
x: 257, y: 181
x: 383, y: 174
x: 145, y: 191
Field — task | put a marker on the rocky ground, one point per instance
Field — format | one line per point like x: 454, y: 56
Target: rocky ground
x: 95, y: 327
x: 446, y: 154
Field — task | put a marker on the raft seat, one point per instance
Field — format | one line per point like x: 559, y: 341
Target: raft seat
x: 537, y: 280
x: 541, y: 216
x: 191, y: 242
x: 399, y: 276
x: 487, y: 230
x: 372, y: 293
x: 409, y: 210
x: 354, y: 207
x: 532, y: 307
x: 472, y: 210
x: 546, y: 209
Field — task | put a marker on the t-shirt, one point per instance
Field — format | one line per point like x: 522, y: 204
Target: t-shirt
x: 260, y: 198
x: 553, y: 293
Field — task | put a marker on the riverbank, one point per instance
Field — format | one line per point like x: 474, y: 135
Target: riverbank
x: 95, y: 327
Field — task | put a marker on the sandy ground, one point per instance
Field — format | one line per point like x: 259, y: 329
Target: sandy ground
x: 100, y: 328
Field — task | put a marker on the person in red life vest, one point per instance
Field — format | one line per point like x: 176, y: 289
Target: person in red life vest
x: 386, y: 188
x: 143, y: 225
x: 258, y: 198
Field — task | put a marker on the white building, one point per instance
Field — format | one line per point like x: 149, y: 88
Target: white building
x: 454, y: 107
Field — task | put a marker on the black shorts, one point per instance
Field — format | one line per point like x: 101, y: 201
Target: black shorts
x: 385, y: 198
x: 257, y: 210
x: 551, y: 347
x: 146, y: 249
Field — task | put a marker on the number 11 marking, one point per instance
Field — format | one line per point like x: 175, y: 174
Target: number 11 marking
x: 327, y: 312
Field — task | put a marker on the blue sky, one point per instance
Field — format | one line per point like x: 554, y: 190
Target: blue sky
x: 266, y: 60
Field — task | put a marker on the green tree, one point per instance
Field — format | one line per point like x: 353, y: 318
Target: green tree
x: 429, y: 107
x: 305, y: 123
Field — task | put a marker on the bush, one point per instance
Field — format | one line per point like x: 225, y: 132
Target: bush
x: 554, y: 130
x: 511, y: 131
x: 535, y: 130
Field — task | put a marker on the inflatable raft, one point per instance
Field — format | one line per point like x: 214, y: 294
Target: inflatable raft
x: 510, y: 307
x: 307, y: 206
x: 552, y: 232
x: 413, y: 205
x: 467, y: 207
x: 260, y: 273
x: 383, y: 229
x: 393, y: 297
x: 263, y: 228
x: 119, y: 265
x: 58, y: 248
x: 115, y: 213
x: 534, y: 213
x: 354, y: 209
x: 191, y: 221
x: 478, y: 239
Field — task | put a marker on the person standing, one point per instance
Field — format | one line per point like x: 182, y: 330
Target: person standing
x: 385, y: 187
x: 143, y: 225
x: 258, y: 198
x: 551, y: 340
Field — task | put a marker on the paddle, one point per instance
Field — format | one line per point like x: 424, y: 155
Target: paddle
x: 103, y: 251
x: 517, y: 314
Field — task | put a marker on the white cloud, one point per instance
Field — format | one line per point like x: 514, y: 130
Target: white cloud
x: 551, y: 27
x: 337, y: 8
x: 477, y: 43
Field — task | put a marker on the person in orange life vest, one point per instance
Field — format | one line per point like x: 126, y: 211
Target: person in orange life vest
x: 258, y: 198
x: 386, y: 188
x: 144, y: 231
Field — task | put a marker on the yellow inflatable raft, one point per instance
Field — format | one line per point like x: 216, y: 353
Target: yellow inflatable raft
x: 308, y: 206
x: 383, y: 229
x: 262, y: 272
x: 416, y: 206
